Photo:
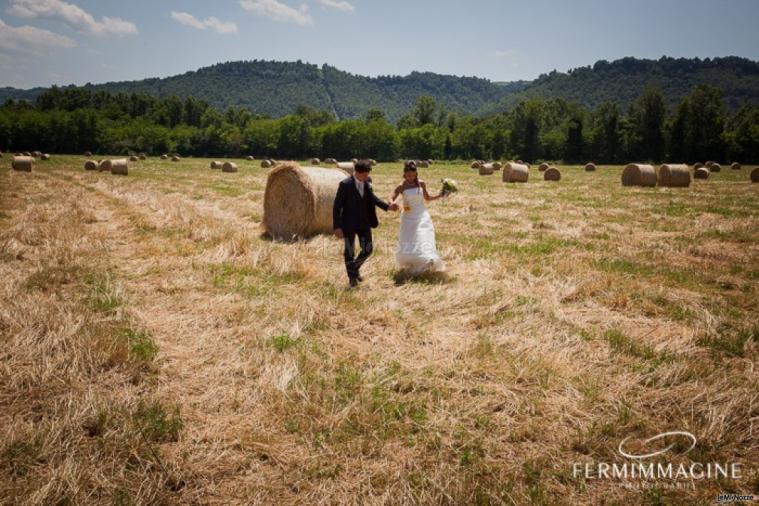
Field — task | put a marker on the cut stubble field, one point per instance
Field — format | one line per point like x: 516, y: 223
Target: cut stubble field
x: 155, y: 348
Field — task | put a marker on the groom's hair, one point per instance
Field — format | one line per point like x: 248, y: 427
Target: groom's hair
x: 363, y: 166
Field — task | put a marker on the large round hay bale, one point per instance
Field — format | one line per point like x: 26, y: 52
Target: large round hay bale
x: 735, y: 166
x: 176, y: 158
x: 475, y: 165
x: 701, y: 173
x: 543, y: 166
x: 715, y: 167
x: 265, y: 164
x: 45, y: 157
x: 755, y: 175
x: 515, y: 173
x: 90, y: 165
x: 134, y: 158
x: 23, y: 163
x: 497, y: 165
x: 347, y: 167
x: 217, y: 164
x: 315, y: 161
x: 298, y: 200
x: 552, y: 174
x: 638, y: 174
x: 590, y: 167
x: 697, y: 165
x: 674, y: 175
x: 229, y: 167
x: 119, y: 167
x: 486, y: 169
x: 164, y: 157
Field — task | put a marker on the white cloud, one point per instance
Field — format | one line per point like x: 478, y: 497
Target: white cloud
x: 278, y: 11
x: 71, y: 14
x: 223, y: 27
x: 29, y: 38
x: 341, y: 5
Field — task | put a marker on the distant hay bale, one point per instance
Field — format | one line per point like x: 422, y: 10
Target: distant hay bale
x: 486, y: 169
x: 103, y: 167
x: 298, y: 200
x: 715, y: 167
x: 709, y: 163
x: 265, y: 164
x: 674, y: 175
x: 637, y: 174
x: 698, y: 165
x: 26, y: 153
x: 497, y: 165
x: 217, y: 164
x: 520, y: 162
x: 134, y: 158
x: 475, y: 165
x: 143, y: 156
x: 422, y: 164
x: 354, y: 160
x: 330, y: 161
x: 1, y: 154
x: 543, y: 167
x: 347, y: 167
x: 755, y: 175
x: 176, y: 158
x: 45, y: 156
x: 23, y: 163
x: 372, y: 162
x: 37, y: 154
x: 229, y: 167
x: 119, y: 167
x: 590, y: 167
x: 88, y: 153
x: 735, y: 166
x: 315, y: 161
x: 164, y: 157
x: 515, y: 173
x: 551, y: 174
x: 90, y: 165
x: 251, y: 158
x: 701, y: 173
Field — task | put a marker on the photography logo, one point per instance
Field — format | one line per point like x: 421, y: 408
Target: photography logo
x: 662, y: 458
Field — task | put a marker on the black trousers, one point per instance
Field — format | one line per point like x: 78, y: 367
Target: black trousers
x: 352, y: 262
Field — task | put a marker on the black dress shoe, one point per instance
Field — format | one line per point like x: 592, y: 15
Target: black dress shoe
x: 360, y: 278
x: 353, y: 282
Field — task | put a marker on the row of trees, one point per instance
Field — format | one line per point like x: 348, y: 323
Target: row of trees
x: 75, y: 120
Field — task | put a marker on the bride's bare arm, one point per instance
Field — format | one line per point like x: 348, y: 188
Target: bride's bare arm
x: 427, y: 196
x: 396, y: 192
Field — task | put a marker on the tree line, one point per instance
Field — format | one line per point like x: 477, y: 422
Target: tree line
x: 75, y: 120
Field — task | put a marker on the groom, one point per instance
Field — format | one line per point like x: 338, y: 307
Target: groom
x: 354, y: 214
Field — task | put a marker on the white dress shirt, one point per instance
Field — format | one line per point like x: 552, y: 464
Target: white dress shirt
x: 359, y: 186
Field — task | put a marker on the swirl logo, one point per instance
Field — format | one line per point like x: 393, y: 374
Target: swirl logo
x: 658, y: 437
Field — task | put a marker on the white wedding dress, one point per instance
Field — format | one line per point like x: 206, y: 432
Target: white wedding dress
x: 416, y: 253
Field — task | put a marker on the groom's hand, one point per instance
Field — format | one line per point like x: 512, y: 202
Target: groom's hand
x: 339, y: 233
x: 393, y: 207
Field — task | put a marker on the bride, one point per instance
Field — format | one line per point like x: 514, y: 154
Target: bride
x: 416, y: 253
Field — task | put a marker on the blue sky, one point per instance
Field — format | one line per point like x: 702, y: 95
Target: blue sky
x: 45, y: 42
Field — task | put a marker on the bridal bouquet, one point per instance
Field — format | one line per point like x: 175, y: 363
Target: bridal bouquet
x: 449, y: 186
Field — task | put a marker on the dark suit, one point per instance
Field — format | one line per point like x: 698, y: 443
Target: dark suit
x: 356, y: 216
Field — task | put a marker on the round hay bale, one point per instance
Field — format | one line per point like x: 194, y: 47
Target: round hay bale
x: 1, y: 154
x: 347, y: 167
x: 143, y: 156
x: 176, y: 158
x: 638, y: 174
x: 134, y: 158
x: 543, y: 167
x: 551, y: 174
x: 715, y: 167
x: 515, y: 173
x: 26, y: 153
x: 354, y: 160
x: 674, y: 175
x: 755, y: 175
x: 298, y: 200
x: 265, y: 164
x: 104, y: 166
x: 88, y: 153
x: 422, y: 164
x: 330, y: 161
x: 315, y: 161
x: 697, y: 165
x: 373, y: 162
x: 735, y: 166
x: 164, y: 157
x: 90, y: 165
x: 701, y: 173
x: 119, y: 167
x: 37, y: 154
x: 497, y: 165
x: 23, y: 163
x: 217, y: 164
x: 229, y: 167
x: 486, y: 169
x: 520, y: 162
x: 709, y: 163
x: 251, y: 158
x: 590, y: 167
x: 45, y: 157
x: 475, y: 165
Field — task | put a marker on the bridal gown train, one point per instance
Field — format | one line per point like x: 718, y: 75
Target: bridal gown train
x: 416, y: 252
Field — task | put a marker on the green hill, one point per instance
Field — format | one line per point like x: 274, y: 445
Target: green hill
x: 278, y: 88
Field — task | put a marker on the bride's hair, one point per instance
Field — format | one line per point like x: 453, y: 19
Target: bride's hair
x: 410, y: 166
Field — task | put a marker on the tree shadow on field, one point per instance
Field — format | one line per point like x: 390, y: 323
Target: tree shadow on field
x: 427, y: 278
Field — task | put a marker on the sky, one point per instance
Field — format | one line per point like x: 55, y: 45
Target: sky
x: 45, y: 42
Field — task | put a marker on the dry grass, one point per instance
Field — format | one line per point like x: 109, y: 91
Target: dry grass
x: 157, y: 349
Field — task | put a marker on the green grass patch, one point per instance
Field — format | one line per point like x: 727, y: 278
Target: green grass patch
x: 156, y: 423
x: 142, y: 347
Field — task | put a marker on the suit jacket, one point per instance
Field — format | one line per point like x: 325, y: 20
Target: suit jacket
x: 346, y: 211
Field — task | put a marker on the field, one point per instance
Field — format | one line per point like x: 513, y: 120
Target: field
x: 155, y: 348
